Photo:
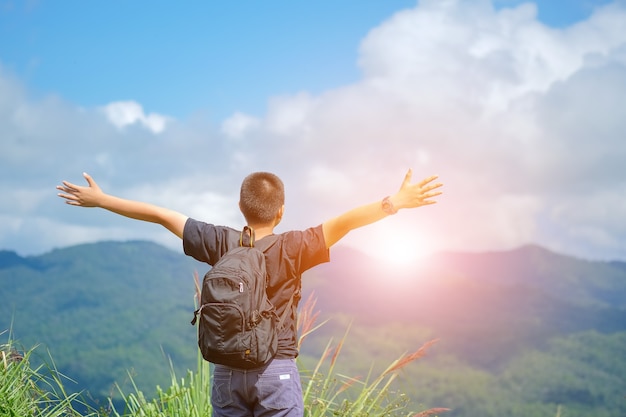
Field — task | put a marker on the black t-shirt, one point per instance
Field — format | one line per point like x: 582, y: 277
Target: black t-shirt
x: 286, y: 258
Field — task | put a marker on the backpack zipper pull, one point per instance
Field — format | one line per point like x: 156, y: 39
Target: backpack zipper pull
x: 241, y: 287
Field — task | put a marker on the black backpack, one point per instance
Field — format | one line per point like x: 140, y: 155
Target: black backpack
x: 238, y: 323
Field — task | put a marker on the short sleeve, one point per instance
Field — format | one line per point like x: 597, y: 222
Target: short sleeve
x: 206, y: 242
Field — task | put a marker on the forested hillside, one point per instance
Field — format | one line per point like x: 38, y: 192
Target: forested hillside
x: 521, y: 333
x: 103, y: 310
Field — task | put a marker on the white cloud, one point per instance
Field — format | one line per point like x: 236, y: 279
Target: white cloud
x: 508, y: 111
x: 239, y: 124
x: 289, y: 115
x: 322, y: 180
x: 124, y: 113
x: 523, y: 123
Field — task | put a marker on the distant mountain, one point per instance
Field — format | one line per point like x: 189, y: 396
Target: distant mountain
x: 110, y: 308
x: 580, y: 281
x: 102, y: 310
x: 467, y: 298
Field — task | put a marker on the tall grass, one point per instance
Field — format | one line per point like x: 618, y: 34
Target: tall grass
x: 185, y: 397
x: 327, y: 393
x: 27, y: 391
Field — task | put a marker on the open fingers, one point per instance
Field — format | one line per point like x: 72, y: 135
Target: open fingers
x: 407, y: 178
x: 69, y: 198
x: 430, y: 179
x: 90, y: 180
x: 431, y: 195
x: 426, y: 190
x: 427, y: 202
x: 426, y: 184
x: 68, y: 187
x: 432, y: 187
x: 77, y: 195
x: 68, y: 192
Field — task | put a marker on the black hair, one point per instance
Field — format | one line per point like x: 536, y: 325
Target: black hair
x: 261, y: 197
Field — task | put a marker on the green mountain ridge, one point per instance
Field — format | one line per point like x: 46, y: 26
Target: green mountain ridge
x: 484, y: 307
x: 110, y: 308
x: 103, y: 310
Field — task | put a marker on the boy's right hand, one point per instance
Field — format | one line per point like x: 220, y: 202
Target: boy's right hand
x: 76, y: 195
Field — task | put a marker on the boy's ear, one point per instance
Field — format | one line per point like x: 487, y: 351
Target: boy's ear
x: 279, y: 215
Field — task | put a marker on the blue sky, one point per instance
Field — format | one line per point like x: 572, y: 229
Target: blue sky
x: 516, y: 105
x: 213, y: 57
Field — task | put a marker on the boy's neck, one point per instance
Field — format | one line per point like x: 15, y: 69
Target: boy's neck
x: 261, y: 231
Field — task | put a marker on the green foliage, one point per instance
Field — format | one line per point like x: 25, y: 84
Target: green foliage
x: 185, y: 397
x: 334, y: 394
x: 329, y: 393
x: 27, y: 391
x: 105, y: 309
x: 522, y: 333
x: 583, y: 372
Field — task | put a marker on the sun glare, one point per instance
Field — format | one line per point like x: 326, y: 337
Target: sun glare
x: 399, y: 249
x: 401, y: 252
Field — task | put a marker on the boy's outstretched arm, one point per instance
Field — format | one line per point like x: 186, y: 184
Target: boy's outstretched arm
x: 93, y: 196
x: 409, y: 196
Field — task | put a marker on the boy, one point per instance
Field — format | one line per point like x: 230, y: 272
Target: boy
x: 273, y: 390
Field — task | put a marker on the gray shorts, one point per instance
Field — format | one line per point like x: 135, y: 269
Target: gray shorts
x: 274, y: 390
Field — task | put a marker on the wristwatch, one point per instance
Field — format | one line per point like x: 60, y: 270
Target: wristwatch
x: 388, y: 206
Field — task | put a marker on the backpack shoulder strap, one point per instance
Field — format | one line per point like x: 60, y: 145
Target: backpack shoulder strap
x: 247, y: 238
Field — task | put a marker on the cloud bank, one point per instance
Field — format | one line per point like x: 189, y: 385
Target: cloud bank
x: 522, y: 122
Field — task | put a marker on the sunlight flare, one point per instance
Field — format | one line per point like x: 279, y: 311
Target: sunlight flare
x: 398, y: 248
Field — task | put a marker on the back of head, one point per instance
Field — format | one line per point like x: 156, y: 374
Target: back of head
x: 261, y: 197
